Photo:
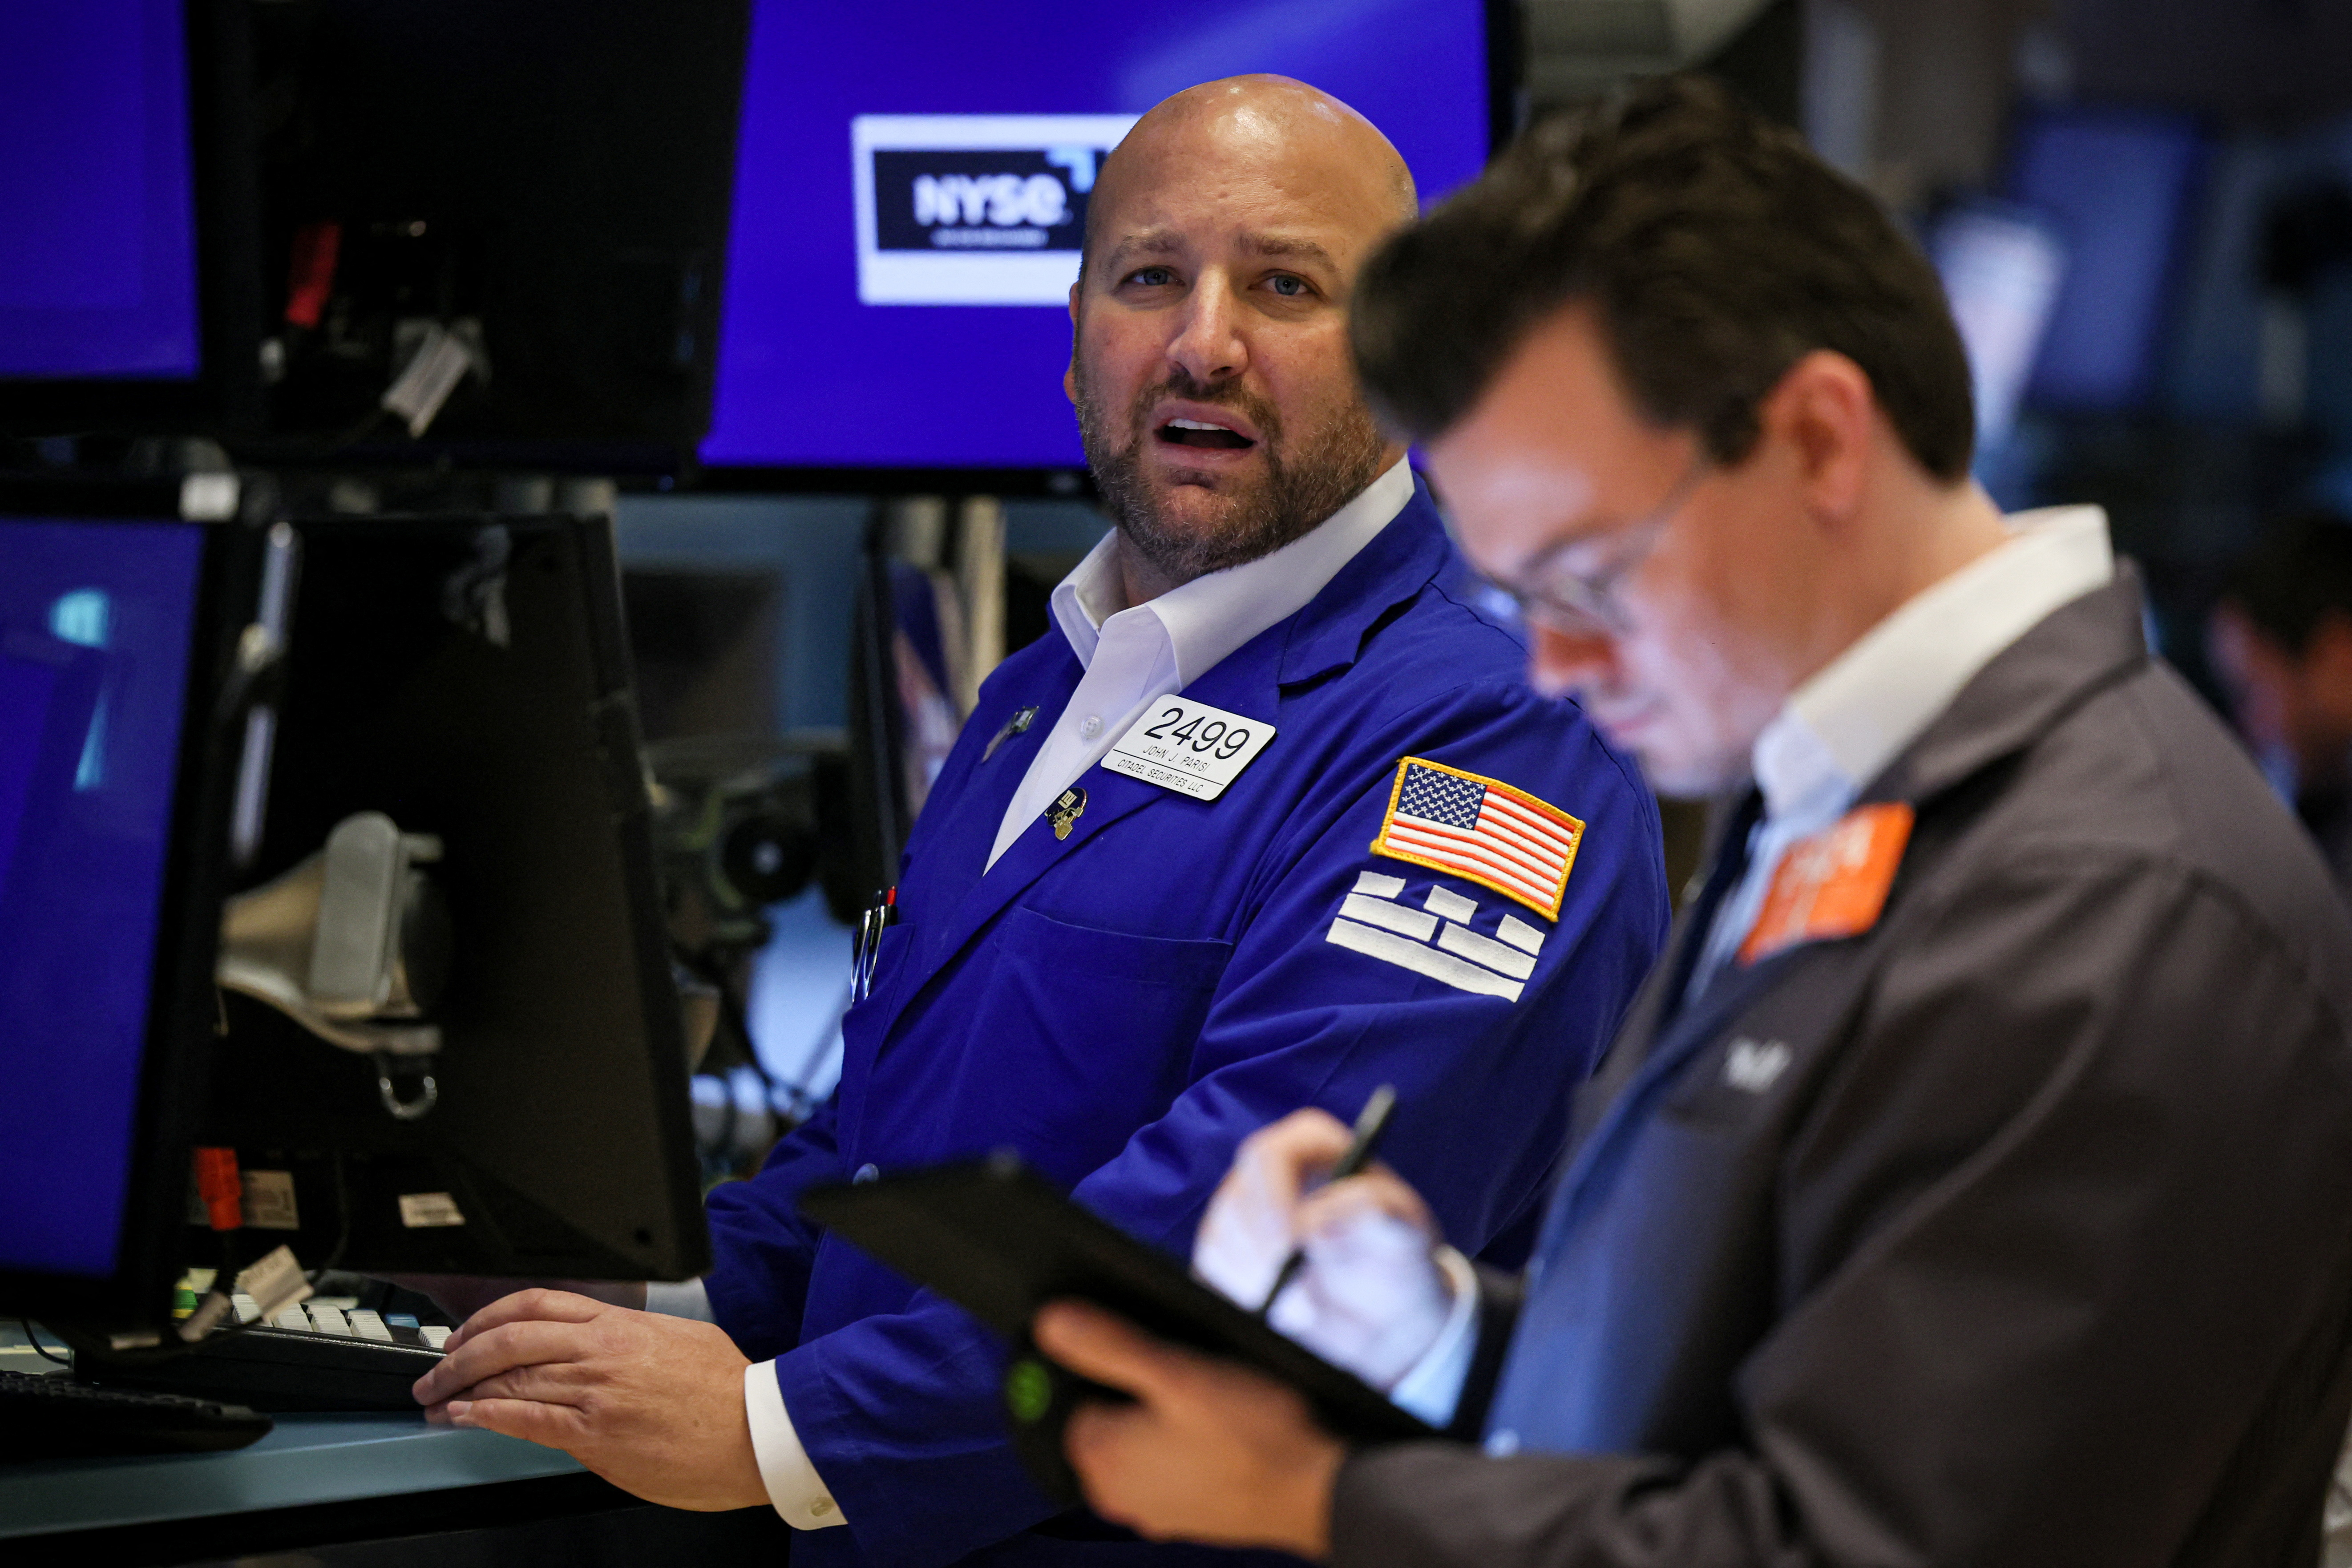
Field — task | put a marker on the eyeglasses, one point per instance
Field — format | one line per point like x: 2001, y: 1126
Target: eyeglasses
x: 1583, y: 604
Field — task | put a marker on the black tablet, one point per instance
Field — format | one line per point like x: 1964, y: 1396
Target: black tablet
x: 999, y: 1240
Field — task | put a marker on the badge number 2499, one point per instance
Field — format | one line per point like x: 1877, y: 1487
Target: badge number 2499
x: 1188, y: 747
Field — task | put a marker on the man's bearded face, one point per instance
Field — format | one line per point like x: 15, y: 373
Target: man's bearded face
x: 1193, y: 500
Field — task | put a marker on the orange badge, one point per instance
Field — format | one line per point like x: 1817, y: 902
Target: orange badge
x: 1833, y: 883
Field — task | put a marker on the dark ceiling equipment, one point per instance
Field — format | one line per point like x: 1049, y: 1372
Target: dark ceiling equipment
x: 545, y: 183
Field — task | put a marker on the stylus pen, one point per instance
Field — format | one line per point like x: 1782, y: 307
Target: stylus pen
x: 1371, y: 1122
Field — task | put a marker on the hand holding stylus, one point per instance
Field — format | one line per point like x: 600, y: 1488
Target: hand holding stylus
x: 1369, y: 1294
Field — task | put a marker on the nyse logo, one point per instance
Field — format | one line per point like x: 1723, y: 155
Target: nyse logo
x: 988, y: 199
x: 974, y: 209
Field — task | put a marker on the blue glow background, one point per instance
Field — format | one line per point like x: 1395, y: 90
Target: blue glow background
x: 2118, y: 185
x: 808, y: 377
x: 91, y: 701
x: 97, y: 212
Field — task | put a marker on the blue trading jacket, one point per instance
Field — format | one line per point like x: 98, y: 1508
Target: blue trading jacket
x: 1124, y: 1006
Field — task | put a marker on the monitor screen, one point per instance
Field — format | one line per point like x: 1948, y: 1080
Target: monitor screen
x: 911, y: 183
x: 97, y: 624
x: 2115, y: 186
x: 98, y: 271
x: 2002, y: 268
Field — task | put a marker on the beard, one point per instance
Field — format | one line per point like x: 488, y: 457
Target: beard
x: 1306, y: 479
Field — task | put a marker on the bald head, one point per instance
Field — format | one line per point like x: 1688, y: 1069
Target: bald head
x: 1209, y: 362
x: 1268, y: 130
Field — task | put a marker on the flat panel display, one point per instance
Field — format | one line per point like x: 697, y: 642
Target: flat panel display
x: 911, y: 183
x: 97, y: 624
x: 2116, y: 185
x: 98, y: 271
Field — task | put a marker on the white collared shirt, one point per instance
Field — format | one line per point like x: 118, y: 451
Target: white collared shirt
x: 1131, y: 655
x: 1842, y: 727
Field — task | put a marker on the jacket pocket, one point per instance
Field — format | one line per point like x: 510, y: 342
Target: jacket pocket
x: 1082, y: 1035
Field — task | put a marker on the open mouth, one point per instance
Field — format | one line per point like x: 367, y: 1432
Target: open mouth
x: 1201, y: 433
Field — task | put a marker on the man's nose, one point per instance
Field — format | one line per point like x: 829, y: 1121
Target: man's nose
x: 1561, y: 662
x: 1209, y: 345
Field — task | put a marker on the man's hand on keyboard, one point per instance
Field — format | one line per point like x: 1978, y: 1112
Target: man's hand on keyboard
x: 652, y: 1403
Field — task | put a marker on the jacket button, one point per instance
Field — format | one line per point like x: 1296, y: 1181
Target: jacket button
x: 867, y: 1173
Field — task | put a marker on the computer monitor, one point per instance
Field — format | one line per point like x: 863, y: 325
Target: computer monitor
x: 2116, y: 187
x: 117, y: 754
x: 467, y: 676
x: 2001, y: 267
x: 128, y: 286
x: 911, y: 183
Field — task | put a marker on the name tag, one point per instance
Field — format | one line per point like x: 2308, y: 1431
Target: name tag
x: 1188, y: 747
x: 1832, y: 884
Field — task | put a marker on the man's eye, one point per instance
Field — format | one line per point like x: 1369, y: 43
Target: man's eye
x: 1151, y: 276
x: 1286, y: 286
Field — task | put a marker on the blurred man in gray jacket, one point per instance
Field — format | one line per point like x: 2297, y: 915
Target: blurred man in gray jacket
x: 1972, y: 1184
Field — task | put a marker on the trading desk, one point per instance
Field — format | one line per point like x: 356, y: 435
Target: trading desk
x: 354, y: 1491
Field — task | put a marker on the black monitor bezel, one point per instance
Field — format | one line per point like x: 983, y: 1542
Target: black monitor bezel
x: 224, y: 397
x: 270, y: 1126
x: 1506, y: 69
x: 181, y: 1001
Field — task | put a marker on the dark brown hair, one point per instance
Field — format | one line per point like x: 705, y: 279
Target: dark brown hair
x: 2299, y: 575
x: 1715, y: 250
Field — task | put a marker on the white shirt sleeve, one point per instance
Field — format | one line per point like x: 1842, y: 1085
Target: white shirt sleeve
x: 785, y: 1469
x: 1431, y: 1387
x: 687, y: 1299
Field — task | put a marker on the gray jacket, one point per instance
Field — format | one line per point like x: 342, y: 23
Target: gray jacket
x: 2015, y: 1230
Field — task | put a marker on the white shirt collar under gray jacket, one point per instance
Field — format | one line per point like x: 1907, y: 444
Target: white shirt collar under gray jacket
x: 1841, y: 728
x: 1133, y: 655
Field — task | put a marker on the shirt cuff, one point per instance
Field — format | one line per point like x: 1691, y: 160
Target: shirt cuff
x: 792, y: 1481
x: 687, y: 1299
x: 1431, y: 1387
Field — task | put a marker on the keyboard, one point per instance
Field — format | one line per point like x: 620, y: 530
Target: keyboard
x: 323, y: 1356
x: 53, y: 1416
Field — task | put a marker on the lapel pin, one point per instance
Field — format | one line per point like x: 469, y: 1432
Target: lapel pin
x: 1066, y: 811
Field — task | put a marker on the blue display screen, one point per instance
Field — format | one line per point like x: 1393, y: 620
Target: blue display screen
x: 95, y: 627
x: 2118, y: 186
x: 911, y: 183
x: 98, y: 255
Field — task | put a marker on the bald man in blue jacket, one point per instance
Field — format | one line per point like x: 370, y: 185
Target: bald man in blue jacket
x: 1271, y: 817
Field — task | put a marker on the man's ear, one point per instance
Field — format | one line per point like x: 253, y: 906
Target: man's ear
x: 1070, y: 372
x: 1825, y: 409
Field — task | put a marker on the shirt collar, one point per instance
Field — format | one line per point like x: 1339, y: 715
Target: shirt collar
x: 1210, y: 617
x: 1842, y: 727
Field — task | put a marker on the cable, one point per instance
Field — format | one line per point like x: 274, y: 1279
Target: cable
x: 39, y: 1347
x: 343, y: 1226
x: 311, y: 1277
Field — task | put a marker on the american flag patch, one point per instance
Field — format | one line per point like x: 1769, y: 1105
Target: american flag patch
x: 1482, y: 829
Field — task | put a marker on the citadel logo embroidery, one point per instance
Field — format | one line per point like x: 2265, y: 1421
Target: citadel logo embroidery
x: 1756, y: 1068
x: 1435, y: 940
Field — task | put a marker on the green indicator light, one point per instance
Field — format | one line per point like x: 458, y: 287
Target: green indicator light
x: 1028, y: 1390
